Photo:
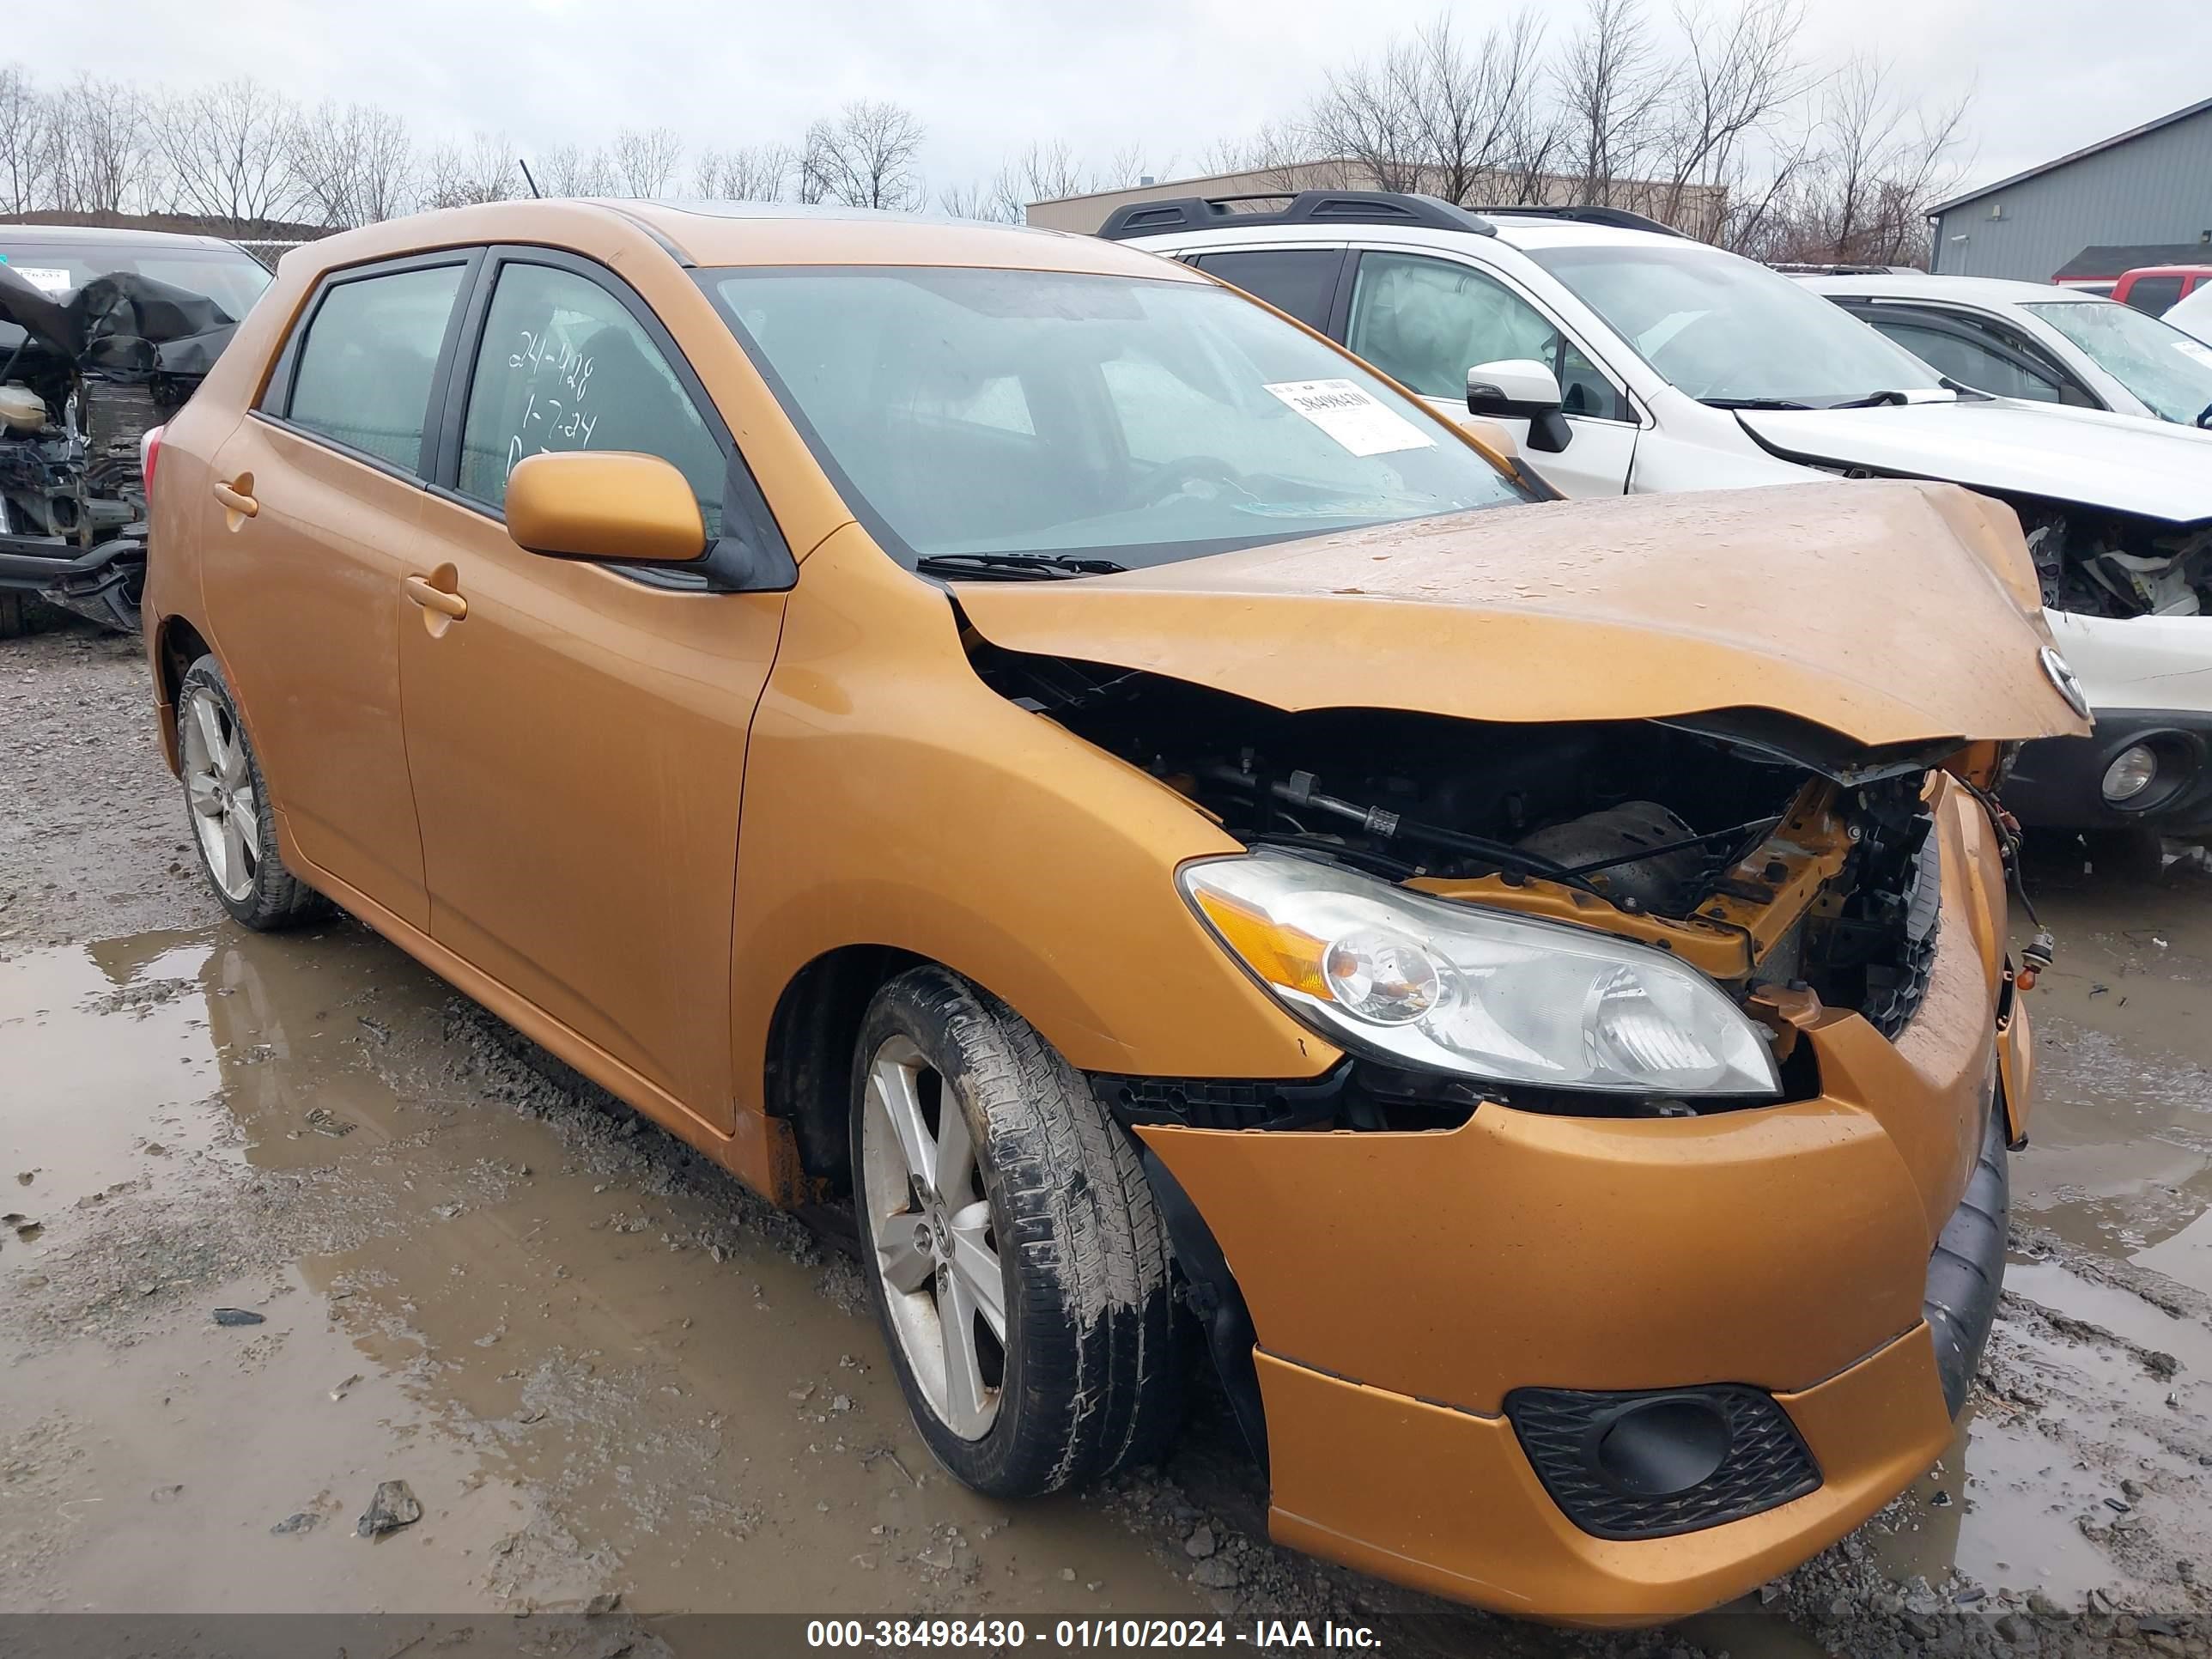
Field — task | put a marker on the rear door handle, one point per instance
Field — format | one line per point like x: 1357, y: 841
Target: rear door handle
x: 238, y: 500
x: 431, y: 598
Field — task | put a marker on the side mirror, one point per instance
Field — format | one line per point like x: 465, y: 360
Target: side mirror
x: 614, y: 504
x: 1521, y: 389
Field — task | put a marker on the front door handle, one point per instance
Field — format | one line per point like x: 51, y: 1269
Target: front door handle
x: 431, y: 597
x: 237, y: 496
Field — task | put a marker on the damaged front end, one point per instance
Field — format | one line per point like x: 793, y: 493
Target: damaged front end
x: 83, y: 380
x: 1635, y: 861
x: 1791, y: 883
x: 2116, y: 564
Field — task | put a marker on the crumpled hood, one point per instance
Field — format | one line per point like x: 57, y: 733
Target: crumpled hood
x: 2086, y: 456
x: 1888, y: 613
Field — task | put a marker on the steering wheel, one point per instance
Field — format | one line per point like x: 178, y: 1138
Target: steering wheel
x: 1170, y: 476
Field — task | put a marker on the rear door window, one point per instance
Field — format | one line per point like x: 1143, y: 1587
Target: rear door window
x: 368, y: 357
x: 564, y: 366
x: 1300, y: 282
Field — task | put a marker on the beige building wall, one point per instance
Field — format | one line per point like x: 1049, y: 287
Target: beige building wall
x: 1701, y: 211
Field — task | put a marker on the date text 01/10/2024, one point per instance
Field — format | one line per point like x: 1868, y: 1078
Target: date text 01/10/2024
x: 899, y: 1634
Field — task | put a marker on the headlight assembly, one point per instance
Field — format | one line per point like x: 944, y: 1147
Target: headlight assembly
x: 1447, y: 986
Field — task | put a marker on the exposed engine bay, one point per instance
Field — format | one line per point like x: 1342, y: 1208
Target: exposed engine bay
x: 2112, y: 564
x: 90, y: 376
x: 1793, y: 886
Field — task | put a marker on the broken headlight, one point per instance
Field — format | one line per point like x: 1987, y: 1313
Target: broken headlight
x: 1453, y: 988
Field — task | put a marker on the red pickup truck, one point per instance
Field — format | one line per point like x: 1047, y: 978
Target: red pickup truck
x: 2153, y: 288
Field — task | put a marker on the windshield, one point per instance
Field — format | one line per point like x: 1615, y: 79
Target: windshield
x: 2170, y: 371
x: 1726, y: 330
x: 232, y: 277
x: 971, y: 411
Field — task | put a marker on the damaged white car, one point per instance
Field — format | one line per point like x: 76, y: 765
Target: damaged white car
x: 1627, y: 358
x: 103, y: 335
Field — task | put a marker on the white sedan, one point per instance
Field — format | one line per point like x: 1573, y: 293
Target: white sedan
x: 2056, y: 345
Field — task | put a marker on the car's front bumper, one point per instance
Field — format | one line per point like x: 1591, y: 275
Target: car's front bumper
x: 2057, y: 783
x: 1834, y: 1260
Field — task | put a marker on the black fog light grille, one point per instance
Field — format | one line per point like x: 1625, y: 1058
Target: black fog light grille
x: 1650, y: 1465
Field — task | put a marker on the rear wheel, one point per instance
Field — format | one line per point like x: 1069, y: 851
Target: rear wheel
x: 1011, y: 1247
x: 233, y: 826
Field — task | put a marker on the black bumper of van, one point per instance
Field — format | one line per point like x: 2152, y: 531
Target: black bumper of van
x: 2057, y: 783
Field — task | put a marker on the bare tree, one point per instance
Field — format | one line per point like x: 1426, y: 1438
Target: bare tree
x: 100, y: 134
x: 865, y: 158
x: 27, y: 141
x: 353, y: 164
x: 571, y: 170
x: 984, y: 199
x: 750, y: 173
x: 483, y: 170
x: 645, y: 158
x: 228, y: 150
x: 1739, y: 71
x: 1612, y: 85
x: 1885, y: 159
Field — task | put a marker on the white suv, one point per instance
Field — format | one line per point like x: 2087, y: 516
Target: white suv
x: 1627, y: 358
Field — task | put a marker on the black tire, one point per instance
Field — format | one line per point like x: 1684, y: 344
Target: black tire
x: 272, y: 896
x: 1089, y: 1380
x: 14, y: 616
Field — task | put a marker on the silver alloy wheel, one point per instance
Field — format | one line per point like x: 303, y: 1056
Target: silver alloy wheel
x: 225, y: 813
x: 934, y: 1249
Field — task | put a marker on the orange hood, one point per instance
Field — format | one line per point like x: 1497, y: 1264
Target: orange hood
x: 1887, y: 612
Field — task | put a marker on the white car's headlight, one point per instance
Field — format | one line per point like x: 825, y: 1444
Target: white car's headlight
x: 1452, y: 988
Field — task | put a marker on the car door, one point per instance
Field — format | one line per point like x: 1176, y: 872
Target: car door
x: 1425, y: 321
x: 322, y: 488
x: 576, y: 731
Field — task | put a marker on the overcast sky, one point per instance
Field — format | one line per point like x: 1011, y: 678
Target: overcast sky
x: 987, y: 76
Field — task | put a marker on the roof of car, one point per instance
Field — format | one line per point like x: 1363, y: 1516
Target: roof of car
x: 21, y: 235
x: 715, y: 234
x: 1985, y: 290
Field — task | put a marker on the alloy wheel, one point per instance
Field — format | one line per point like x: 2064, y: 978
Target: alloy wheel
x: 226, y: 814
x: 935, y: 1248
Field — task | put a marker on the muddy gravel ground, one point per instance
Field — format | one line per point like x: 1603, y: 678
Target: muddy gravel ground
x: 611, y: 1379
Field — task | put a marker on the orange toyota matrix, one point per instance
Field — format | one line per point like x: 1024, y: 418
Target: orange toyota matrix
x: 1004, y: 731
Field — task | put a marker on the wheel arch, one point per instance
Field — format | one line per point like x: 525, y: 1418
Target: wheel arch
x: 807, y: 1072
x: 177, y: 644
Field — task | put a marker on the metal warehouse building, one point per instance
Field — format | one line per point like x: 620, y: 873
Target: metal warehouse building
x: 2145, y: 196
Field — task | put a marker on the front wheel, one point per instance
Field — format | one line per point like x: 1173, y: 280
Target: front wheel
x: 1011, y: 1249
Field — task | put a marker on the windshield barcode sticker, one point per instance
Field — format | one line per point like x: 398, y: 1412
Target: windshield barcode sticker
x: 1353, y: 416
x: 2202, y: 354
x: 50, y: 278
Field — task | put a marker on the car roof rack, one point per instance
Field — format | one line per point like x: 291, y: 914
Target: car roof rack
x: 1617, y: 218
x: 1305, y: 207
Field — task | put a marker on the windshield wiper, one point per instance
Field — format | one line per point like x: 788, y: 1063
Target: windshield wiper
x: 1752, y: 402
x: 1875, y: 400
x: 1015, y: 567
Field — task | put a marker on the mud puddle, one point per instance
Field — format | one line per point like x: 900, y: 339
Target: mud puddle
x: 598, y: 1365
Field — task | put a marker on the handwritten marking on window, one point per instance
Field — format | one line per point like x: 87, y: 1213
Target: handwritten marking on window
x: 559, y: 378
